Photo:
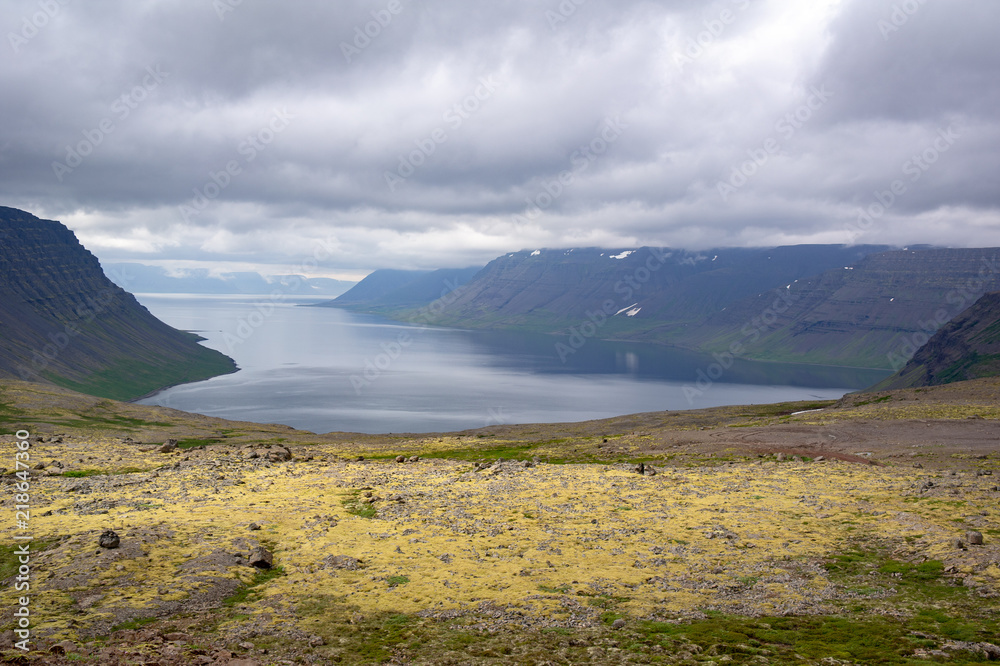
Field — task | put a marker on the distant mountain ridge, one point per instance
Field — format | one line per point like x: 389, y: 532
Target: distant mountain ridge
x: 143, y: 279
x: 392, y: 290
x: 834, y: 305
x: 967, y: 347
x: 63, y: 321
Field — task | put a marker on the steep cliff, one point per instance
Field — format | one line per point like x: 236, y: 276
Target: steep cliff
x: 63, y: 321
x: 656, y: 293
x: 873, y: 313
x: 968, y: 347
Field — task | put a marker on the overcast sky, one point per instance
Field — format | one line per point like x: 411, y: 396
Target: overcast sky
x: 401, y: 133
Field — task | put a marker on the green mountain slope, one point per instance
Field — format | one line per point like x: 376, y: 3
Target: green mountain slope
x: 968, y: 347
x: 63, y: 321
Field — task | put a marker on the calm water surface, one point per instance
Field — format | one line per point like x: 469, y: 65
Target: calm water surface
x: 324, y: 369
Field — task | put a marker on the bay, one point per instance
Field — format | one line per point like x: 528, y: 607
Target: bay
x: 326, y: 369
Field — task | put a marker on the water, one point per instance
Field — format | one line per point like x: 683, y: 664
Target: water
x: 324, y: 369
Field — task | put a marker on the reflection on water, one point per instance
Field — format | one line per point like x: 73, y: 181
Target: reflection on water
x: 324, y: 369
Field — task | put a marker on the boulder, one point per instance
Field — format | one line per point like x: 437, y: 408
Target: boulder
x: 108, y: 539
x: 261, y: 558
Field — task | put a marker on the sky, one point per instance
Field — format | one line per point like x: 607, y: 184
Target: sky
x: 337, y: 137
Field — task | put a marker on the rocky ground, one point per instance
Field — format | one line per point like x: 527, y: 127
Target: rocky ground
x: 864, y: 531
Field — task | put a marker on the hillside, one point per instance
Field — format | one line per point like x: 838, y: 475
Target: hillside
x: 861, y: 532
x: 874, y: 313
x: 391, y: 290
x: 968, y: 347
x: 649, y: 288
x: 63, y: 321
x: 863, y: 306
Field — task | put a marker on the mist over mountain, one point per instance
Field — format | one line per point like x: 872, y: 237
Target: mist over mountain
x: 143, y: 279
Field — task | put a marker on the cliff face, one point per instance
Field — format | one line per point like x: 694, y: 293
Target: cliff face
x: 665, y: 290
x: 63, y: 321
x: 874, y: 313
x: 968, y: 347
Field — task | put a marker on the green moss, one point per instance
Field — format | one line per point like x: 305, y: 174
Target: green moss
x: 250, y: 591
x: 127, y: 379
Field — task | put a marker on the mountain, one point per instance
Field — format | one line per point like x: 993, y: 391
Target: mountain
x: 631, y: 294
x: 874, y: 313
x: 63, y: 321
x: 142, y: 279
x: 968, y: 347
x: 839, y: 305
x: 392, y: 290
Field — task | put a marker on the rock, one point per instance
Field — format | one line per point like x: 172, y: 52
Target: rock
x: 251, y: 455
x: 253, y: 527
x: 974, y: 538
x: 414, y: 458
x: 819, y: 459
x: 917, y: 466
x: 618, y: 624
x: 108, y: 539
x: 316, y: 641
x: 63, y: 647
x: 279, y: 454
x: 168, y: 446
x: 245, y: 646
x: 243, y: 662
x: 640, y: 468
x: 400, y: 459
x: 261, y: 558
x: 342, y: 562
x: 650, y: 471
x: 781, y: 457
x: 958, y: 544
x: 176, y: 636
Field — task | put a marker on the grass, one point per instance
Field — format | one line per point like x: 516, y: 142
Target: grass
x: 128, y: 379
x: 356, y: 507
x: 251, y: 591
x: 9, y: 561
x: 395, y: 581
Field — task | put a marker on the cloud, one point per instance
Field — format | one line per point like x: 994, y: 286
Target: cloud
x: 429, y: 134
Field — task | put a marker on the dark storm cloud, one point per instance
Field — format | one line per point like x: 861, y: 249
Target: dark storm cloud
x: 439, y: 133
